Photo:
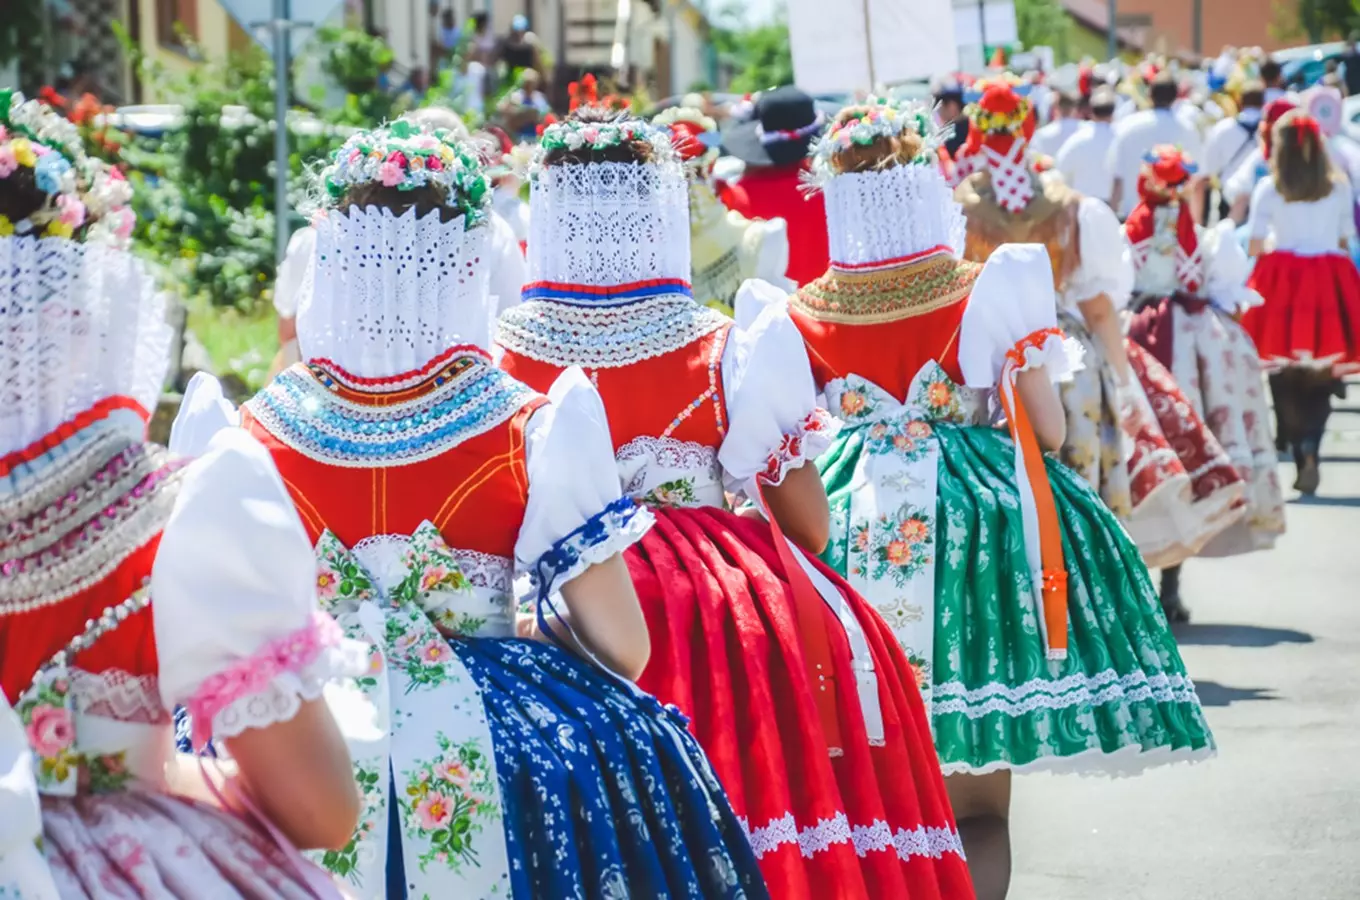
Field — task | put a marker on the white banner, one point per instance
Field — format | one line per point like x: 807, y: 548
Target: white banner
x: 835, y: 52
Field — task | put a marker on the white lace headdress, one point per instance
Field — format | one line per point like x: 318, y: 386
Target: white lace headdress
x: 888, y: 214
x: 608, y: 225
x: 386, y: 293
x: 81, y: 326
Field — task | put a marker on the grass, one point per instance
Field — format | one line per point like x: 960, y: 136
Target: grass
x: 239, y: 343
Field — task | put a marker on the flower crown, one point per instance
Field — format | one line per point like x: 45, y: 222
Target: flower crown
x: 407, y: 156
x: 572, y: 134
x: 80, y: 191
x: 1001, y: 106
x: 862, y: 124
x: 694, y: 135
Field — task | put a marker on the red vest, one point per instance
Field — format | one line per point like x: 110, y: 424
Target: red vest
x: 776, y: 192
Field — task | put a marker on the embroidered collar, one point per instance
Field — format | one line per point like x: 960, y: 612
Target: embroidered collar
x: 921, y: 285
x: 323, y: 414
x: 606, y: 295
x: 562, y: 334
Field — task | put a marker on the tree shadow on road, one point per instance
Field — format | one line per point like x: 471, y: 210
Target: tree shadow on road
x: 1211, y: 693
x: 1228, y: 635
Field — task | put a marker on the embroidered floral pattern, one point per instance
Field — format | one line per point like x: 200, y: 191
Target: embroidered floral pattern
x: 813, y: 435
x: 448, y: 801
x: 45, y: 711
x: 417, y: 649
x: 345, y: 861
x: 907, y: 438
x: 339, y: 577
x: 937, y: 395
x: 895, y: 545
x: 676, y: 492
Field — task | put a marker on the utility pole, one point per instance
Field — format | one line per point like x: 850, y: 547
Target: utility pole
x: 982, y: 32
x: 1113, y: 38
x: 282, y: 28
x: 869, y: 48
x: 1197, y: 27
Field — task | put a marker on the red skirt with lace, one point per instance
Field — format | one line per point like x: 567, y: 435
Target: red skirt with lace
x: 853, y: 821
x: 1311, y: 313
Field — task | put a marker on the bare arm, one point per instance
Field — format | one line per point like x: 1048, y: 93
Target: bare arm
x: 299, y: 773
x: 1045, y: 409
x: 1117, y: 194
x: 1200, y: 191
x: 1257, y: 246
x: 1103, y: 320
x: 604, y: 613
x: 801, y: 508
x: 1239, y: 208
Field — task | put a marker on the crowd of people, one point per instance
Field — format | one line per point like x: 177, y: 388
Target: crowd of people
x: 667, y: 534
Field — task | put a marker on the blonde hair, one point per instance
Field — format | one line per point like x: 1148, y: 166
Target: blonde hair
x: 1299, y: 164
x: 882, y: 153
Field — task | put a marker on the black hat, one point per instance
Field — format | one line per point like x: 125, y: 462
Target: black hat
x: 784, y: 123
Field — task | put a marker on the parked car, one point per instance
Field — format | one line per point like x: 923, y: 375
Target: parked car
x: 1304, y: 67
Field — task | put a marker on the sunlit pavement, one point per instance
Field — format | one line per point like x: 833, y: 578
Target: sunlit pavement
x: 1275, y: 651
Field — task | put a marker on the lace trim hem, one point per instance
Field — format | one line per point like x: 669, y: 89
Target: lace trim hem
x: 270, y: 685
x: 1074, y: 690
x: 613, y: 530
x: 806, y: 442
x: 876, y: 837
x: 1126, y: 762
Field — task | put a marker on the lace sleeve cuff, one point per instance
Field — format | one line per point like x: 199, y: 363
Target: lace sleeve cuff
x: 1047, y: 347
x: 271, y: 685
x: 802, y: 445
x: 617, y: 527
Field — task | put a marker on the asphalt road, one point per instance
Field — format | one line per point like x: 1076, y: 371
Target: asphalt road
x: 1274, y: 649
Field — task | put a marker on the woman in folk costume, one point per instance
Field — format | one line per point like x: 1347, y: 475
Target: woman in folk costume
x: 806, y: 706
x: 1016, y: 593
x: 1130, y: 433
x: 495, y: 766
x: 1308, y: 328
x: 134, y: 583
x: 726, y: 248
x: 1190, y: 286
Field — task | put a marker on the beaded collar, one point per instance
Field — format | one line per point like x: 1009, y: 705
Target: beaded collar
x: 337, y: 419
x: 888, y: 291
x: 607, y: 337
x: 88, y: 511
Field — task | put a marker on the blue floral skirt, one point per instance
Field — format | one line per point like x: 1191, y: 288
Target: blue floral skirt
x: 605, y: 793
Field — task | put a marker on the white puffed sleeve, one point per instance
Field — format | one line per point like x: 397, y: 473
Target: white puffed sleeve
x: 1106, y: 263
x: 773, y: 422
x: 293, y: 270
x: 240, y: 638
x: 576, y: 514
x: 203, y: 412
x: 1226, y: 269
x: 768, y: 243
x: 23, y: 871
x: 1264, y: 200
x: 1012, y: 313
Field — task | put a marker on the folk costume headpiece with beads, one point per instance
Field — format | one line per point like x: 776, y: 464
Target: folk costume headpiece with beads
x: 83, y: 339
x: 892, y: 214
x: 1161, y: 223
x: 1001, y: 125
x: 387, y: 292
x: 607, y: 233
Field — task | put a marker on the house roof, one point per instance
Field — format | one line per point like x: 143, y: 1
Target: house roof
x: 1095, y: 15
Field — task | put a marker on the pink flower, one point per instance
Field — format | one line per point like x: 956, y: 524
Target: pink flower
x: 355, y: 156
x: 452, y: 772
x: 434, y: 811
x: 436, y: 651
x: 590, y: 135
x: 391, y: 174
x: 325, y: 585
x: 113, y: 764
x: 7, y: 162
x: 125, y: 224
x: 50, y: 731
x: 434, y: 164
x: 432, y: 577
x: 406, y: 641
x: 918, y: 429
x: 61, y: 685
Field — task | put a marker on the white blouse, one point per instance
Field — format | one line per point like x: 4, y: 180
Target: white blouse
x: 1106, y: 264
x: 23, y: 871
x: 1308, y: 228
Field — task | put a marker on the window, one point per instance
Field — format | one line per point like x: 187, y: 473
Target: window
x: 176, y: 23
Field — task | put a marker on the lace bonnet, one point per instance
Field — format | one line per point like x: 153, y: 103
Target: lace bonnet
x: 892, y: 213
x: 83, y: 335
x: 602, y: 233
x: 387, y: 292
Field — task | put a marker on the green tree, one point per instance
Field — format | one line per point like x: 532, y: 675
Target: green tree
x: 759, y: 53
x: 1044, y: 23
x: 1321, y: 19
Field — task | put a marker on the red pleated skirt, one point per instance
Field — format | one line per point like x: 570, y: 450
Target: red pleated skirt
x: 868, y: 822
x: 1311, y: 312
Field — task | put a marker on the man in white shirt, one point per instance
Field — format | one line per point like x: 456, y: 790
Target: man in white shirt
x: 1082, y: 160
x: 1229, y: 143
x: 1051, y: 138
x: 1139, y: 133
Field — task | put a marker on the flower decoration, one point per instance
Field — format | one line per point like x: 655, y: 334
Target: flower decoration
x: 1168, y: 166
x: 572, y: 134
x: 407, y: 156
x: 1001, y: 105
x: 80, y: 193
x: 862, y: 124
x: 694, y: 135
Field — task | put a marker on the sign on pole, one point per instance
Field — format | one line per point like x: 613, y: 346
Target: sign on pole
x: 856, y: 45
x: 254, y: 15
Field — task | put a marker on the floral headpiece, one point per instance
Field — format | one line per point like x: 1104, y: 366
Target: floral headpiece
x: 1000, y: 105
x: 694, y: 135
x: 572, y: 134
x: 862, y: 124
x: 1169, y: 165
x: 407, y: 156
x: 79, y: 191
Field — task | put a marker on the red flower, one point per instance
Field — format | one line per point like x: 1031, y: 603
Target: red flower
x: 49, y: 95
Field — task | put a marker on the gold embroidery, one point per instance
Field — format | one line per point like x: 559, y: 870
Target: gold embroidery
x: 887, y: 295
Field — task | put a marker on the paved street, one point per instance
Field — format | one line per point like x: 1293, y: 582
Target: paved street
x: 1275, y: 651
